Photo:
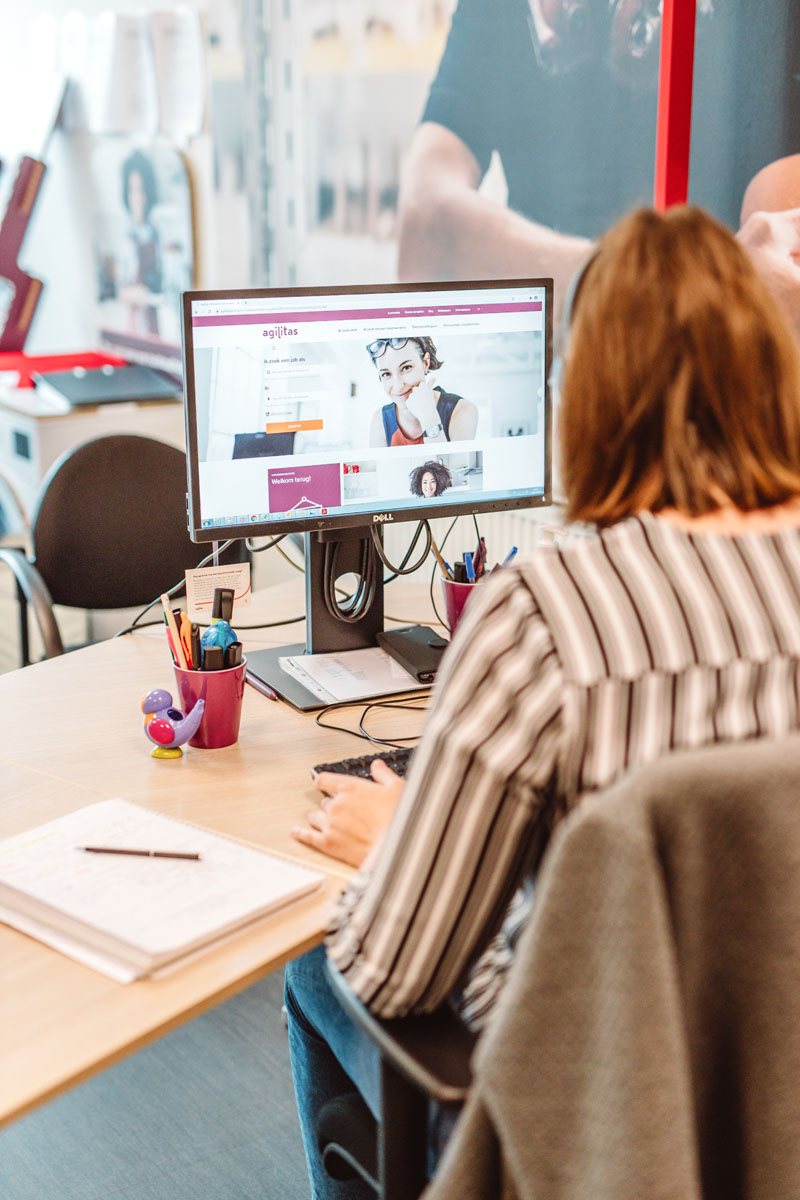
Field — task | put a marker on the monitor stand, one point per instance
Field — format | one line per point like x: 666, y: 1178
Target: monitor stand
x: 329, y: 554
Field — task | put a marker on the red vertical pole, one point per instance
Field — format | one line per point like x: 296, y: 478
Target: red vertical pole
x: 675, y: 80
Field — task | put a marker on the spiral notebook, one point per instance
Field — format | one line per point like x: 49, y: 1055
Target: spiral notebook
x: 130, y: 916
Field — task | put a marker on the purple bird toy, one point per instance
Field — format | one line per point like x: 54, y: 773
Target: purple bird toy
x: 168, y: 727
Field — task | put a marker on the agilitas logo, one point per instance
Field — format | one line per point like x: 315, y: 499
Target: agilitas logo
x: 382, y: 517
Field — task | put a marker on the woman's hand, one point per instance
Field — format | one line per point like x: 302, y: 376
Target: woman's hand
x: 421, y: 403
x: 353, y: 815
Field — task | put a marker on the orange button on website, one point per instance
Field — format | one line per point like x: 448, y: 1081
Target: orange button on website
x: 292, y: 426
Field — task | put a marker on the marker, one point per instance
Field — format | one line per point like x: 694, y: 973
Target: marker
x: 197, y: 653
x: 477, y: 560
x: 177, y: 648
x: 213, y: 658
x: 233, y: 654
x: 138, y: 853
x: 468, y: 567
x: 185, y: 634
x: 509, y: 556
x: 222, y: 604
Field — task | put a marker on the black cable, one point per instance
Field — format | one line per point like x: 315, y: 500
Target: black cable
x: 175, y: 588
x: 406, y: 705
x: 402, y: 569
x: 267, y: 546
x: 403, y: 560
x: 356, y: 605
x: 205, y: 625
x: 433, y: 576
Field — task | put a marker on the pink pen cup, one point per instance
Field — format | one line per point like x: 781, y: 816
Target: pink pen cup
x: 223, y: 692
x: 456, y: 596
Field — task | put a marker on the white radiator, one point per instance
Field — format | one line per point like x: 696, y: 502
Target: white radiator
x: 523, y: 528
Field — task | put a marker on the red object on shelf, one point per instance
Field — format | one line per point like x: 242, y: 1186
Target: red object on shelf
x: 27, y: 289
x: 28, y: 364
x: 676, y: 76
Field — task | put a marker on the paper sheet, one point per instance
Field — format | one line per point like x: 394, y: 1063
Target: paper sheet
x: 143, y: 911
x: 350, y: 675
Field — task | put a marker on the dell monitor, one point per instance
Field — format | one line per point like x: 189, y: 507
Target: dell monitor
x: 336, y: 411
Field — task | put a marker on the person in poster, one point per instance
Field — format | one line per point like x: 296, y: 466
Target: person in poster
x: 564, y: 91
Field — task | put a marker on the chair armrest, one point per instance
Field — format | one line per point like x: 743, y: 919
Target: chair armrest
x: 34, y: 590
x: 432, y: 1051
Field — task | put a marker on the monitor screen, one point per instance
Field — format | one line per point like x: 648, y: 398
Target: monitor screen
x: 310, y: 408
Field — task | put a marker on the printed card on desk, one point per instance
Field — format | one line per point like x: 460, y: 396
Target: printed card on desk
x: 201, y: 585
x: 129, y: 892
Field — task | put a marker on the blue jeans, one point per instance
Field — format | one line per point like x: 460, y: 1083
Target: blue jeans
x: 330, y: 1056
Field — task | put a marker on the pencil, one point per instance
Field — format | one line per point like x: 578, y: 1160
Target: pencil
x: 440, y: 560
x: 138, y: 853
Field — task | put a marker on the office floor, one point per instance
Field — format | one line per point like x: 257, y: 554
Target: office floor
x: 205, y: 1113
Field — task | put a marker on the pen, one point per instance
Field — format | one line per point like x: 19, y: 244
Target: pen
x: 260, y: 686
x: 468, y: 567
x: 173, y: 629
x: 138, y: 853
x: 509, y: 556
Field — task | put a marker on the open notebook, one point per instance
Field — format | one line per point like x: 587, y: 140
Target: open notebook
x: 130, y: 916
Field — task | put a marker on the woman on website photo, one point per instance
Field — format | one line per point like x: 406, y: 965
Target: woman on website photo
x: 419, y: 410
x: 430, y: 479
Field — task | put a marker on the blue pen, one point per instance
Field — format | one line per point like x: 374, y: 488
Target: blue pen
x: 469, y: 567
x: 509, y: 556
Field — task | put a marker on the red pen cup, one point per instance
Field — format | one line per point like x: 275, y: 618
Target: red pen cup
x: 456, y: 596
x: 223, y: 692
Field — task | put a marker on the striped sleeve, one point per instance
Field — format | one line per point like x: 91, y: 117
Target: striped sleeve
x: 471, y: 816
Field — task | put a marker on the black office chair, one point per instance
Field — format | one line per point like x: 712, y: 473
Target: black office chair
x: 424, y: 1060
x: 109, y: 531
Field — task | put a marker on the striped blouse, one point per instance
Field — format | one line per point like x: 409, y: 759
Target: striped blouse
x: 581, y: 662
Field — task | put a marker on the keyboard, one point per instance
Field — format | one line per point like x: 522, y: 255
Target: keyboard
x: 398, y: 759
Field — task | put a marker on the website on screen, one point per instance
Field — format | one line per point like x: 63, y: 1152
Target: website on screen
x: 345, y: 404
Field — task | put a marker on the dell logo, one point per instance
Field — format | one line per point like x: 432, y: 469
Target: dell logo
x: 382, y: 517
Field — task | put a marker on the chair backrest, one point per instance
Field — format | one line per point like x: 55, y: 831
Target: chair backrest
x: 649, y: 1039
x: 109, y: 529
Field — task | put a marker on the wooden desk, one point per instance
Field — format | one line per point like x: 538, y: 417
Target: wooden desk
x: 71, y: 733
